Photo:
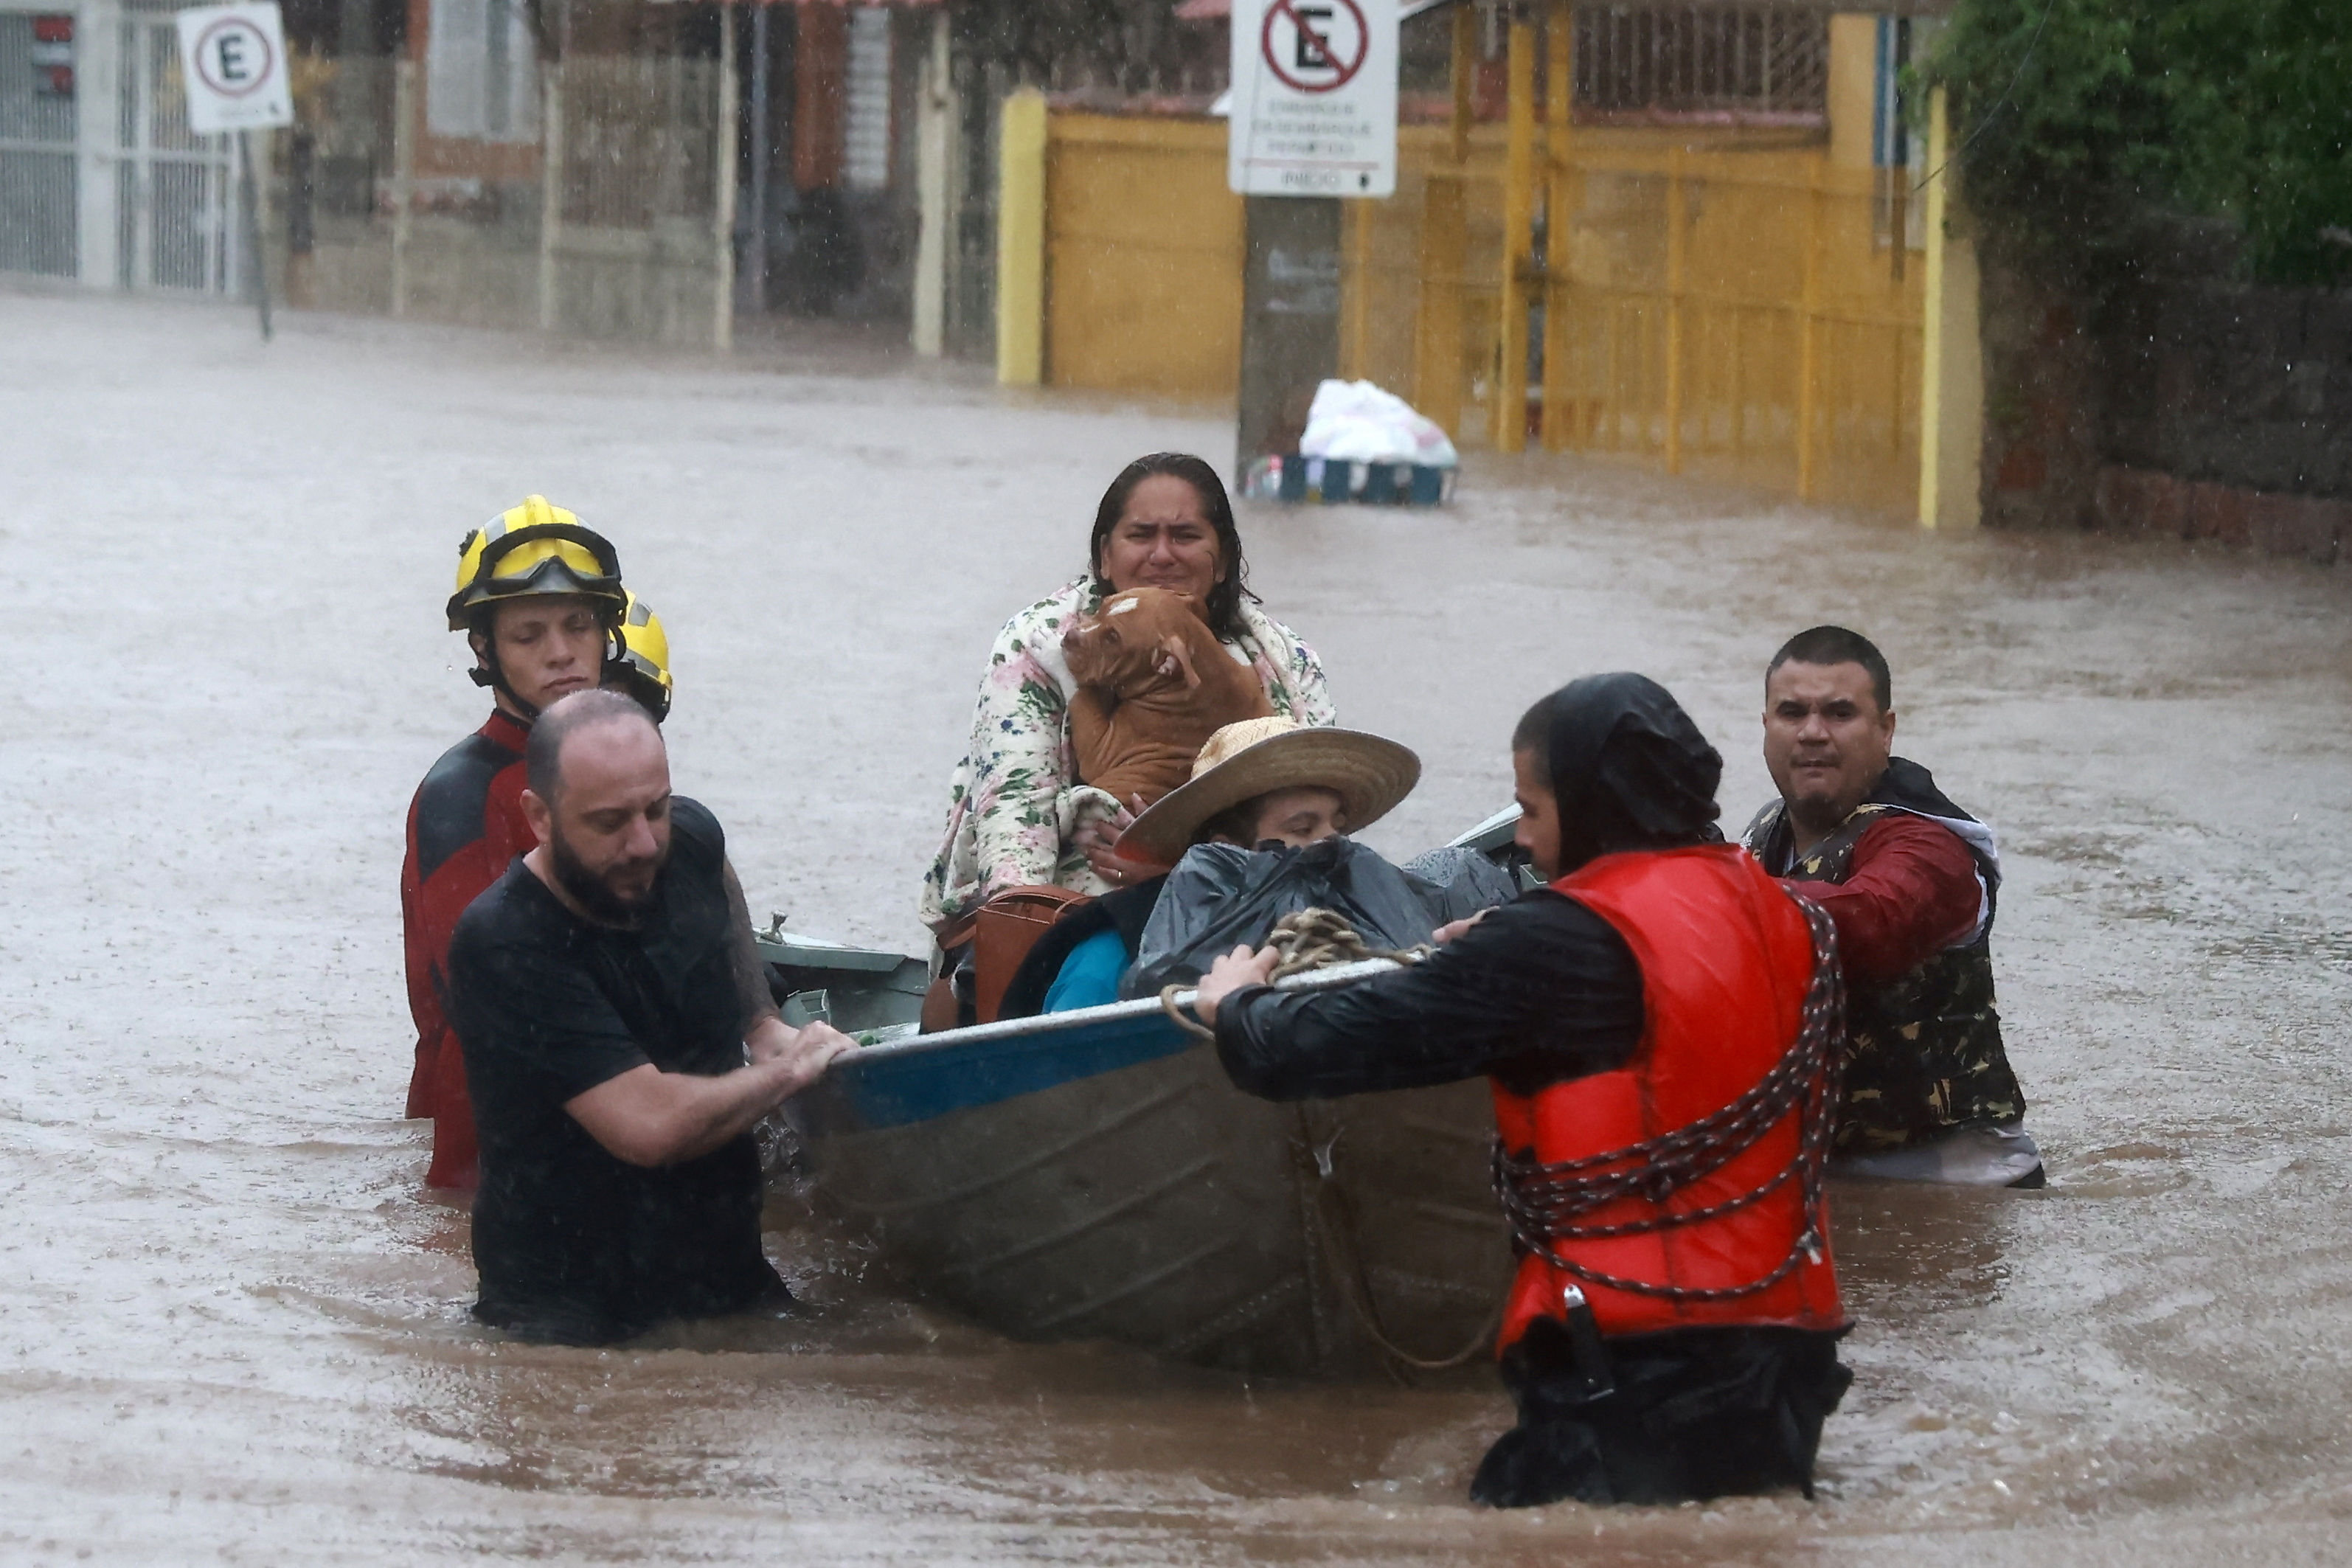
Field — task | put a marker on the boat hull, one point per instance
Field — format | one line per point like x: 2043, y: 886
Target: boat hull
x: 1098, y: 1177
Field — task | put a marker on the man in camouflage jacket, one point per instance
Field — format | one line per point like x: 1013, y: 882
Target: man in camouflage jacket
x: 1911, y: 882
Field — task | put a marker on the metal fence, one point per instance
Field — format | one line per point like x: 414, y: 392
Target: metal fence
x: 37, y: 221
x: 605, y: 220
x: 176, y: 191
x: 162, y: 207
x: 1730, y: 314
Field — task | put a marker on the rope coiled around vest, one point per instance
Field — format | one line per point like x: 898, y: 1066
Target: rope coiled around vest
x: 1545, y: 1203
x: 1307, y: 939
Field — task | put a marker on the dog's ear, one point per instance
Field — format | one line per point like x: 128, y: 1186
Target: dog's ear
x: 1198, y: 607
x: 1172, y: 646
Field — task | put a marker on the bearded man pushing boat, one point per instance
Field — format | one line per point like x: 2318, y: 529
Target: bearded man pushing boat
x: 1658, y: 1025
x: 541, y: 601
x: 617, y: 1067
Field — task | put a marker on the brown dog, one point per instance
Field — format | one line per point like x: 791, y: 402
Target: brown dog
x: 1153, y: 685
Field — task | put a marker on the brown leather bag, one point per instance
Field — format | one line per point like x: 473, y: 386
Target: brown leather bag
x: 1003, y: 932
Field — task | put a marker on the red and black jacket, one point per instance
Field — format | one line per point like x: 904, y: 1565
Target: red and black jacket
x: 465, y: 827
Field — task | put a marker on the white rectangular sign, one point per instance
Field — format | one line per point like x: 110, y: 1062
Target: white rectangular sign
x: 1314, y: 99
x: 233, y: 59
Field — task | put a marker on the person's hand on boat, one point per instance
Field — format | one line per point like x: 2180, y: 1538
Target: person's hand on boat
x: 1238, y: 970
x: 1452, y: 928
x: 1097, y: 835
x: 807, y: 1051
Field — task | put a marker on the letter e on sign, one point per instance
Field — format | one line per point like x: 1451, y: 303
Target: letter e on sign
x: 233, y: 59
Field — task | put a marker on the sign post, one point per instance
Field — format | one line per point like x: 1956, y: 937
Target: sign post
x: 233, y: 61
x: 1314, y: 119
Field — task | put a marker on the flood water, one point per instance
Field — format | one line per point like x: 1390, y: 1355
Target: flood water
x: 232, y: 1329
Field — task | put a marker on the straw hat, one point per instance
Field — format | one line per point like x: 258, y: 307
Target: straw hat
x: 1255, y: 756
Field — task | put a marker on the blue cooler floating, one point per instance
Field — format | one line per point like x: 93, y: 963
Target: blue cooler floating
x: 1335, y: 481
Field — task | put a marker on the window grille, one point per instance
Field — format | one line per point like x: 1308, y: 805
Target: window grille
x: 865, y: 108
x: 1702, y: 60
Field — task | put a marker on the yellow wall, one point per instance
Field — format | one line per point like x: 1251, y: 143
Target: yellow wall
x: 1144, y: 252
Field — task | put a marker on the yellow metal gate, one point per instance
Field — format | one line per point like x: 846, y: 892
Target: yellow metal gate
x: 1741, y: 303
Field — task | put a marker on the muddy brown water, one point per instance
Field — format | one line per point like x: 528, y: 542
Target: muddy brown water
x: 232, y: 1329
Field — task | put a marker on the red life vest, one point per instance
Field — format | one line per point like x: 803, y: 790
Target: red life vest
x: 1726, y: 960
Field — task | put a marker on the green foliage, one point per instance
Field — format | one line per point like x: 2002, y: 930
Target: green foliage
x: 2084, y: 113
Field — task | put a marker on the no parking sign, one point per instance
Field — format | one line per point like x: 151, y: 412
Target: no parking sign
x: 1315, y: 97
x: 233, y: 59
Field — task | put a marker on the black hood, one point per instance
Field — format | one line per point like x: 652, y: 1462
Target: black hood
x: 1628, y: 768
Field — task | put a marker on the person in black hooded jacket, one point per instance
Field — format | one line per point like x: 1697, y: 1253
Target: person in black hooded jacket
x: 1546, y: 993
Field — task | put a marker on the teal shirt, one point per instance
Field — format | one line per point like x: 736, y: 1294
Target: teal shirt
x: 1090, y: 977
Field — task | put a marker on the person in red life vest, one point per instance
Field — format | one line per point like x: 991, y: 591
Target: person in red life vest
x: 1912, y: 882
x: 1658, y: 1025
x: 539, y: 597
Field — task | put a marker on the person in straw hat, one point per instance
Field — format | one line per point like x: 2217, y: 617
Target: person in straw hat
x: 1260, y: 783
x: 1274, y: 779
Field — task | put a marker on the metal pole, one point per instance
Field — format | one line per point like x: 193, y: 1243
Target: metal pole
x: 1677, y: 264
x: 1809, y: 343
x: 751, y: 284
x: 551, y: 192
x: 257, y: 268
x: 1518, y: 240
x: 1563, y: 423
x: 725, y: 135
x: 404, y: 176
x: 1437, y: 339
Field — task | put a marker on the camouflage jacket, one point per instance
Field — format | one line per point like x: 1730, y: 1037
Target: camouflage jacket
x: 1924, y: 1050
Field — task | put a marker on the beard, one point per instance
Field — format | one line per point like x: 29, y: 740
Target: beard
x: 592, y: 890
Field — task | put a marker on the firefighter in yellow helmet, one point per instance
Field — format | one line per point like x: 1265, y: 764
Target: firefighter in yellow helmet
x: 643, y: 669
x: 540, y: 599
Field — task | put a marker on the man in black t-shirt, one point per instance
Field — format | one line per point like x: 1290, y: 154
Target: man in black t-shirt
x: 596, y: 991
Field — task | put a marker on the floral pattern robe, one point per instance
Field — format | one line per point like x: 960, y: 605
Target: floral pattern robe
x: 1015, y: 801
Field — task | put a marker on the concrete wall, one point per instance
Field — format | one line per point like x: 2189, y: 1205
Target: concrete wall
x: 2190, y: 407
x: 609, y: 283
x: 2224, y: 382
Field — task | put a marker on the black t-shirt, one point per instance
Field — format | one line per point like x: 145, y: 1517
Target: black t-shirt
x: 573, y: 1244
x: 1540, y: 990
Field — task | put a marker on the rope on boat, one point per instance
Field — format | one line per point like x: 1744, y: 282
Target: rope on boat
x: 1307, y: 939
x: 1545, y: 1203
x: 1317, y: 939
x: 1335, y: 1222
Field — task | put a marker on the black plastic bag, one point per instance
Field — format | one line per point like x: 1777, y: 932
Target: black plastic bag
x: 1221, y: 897
x: 1458, y: 883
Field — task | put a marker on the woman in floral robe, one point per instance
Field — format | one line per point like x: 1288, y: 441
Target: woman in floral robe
x: 1017, y: 814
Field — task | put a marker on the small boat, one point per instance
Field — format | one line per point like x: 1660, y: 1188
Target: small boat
x: 1092, y: 1175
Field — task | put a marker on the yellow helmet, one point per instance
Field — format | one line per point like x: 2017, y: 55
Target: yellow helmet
x: 534, y: 547
x: 643, y: 669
